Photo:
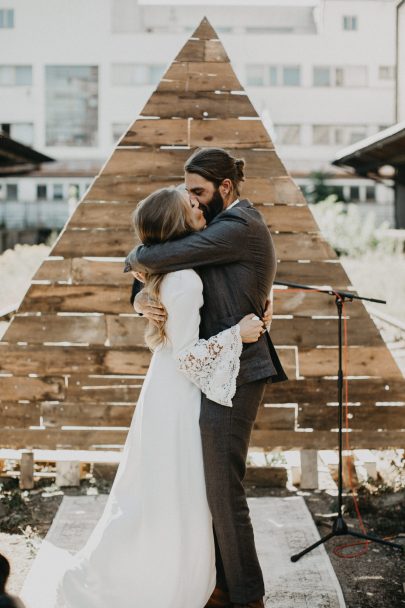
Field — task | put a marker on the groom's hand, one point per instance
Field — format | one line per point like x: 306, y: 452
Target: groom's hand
x: 268, y: 313
x: 149, y: 308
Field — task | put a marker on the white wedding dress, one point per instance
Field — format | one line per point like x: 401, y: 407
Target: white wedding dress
x: 153, y: 546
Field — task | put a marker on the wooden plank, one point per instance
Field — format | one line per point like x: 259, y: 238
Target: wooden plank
x: 17, y: 415
x: 193, y: 104
x: 276, y: 190
x: 13, y: 388
x: 95, y: 243
x: 55, y: 415
x: 366, y: 391
x: 317, y: 273
x: 271, y: 440
x: 202, y: 50
x: 301, y: 246
x: 266, y: 477
x: 303, y: 303
x: 229, y: 133
x: 90, y: 389
x: 193, y: 50
x: 94, y: 272
x: 154, y: 133
x: 205, y: 31
x: 288, y: 360
x: 307, y: 333
x: 53, y: 439
x: 214, y: 51
x: 126, y: 331
x: 77, y: 298
x: 275, y: 417
x: 56, y: 328
x: 26, y: 481
x: 362, y: 417
x: 288, y: 218
x: 170, y: 163
x: 103, y: 215
x: 324, y: 440
x: 117, y: 215
x: 199, y: 76
x: 84, y: 271
x: 362, y: 361
x: 127, y: 188
x: 59, y: 360
x: 53, y: 270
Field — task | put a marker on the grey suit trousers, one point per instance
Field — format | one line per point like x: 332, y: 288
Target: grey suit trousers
x: 225, y: 433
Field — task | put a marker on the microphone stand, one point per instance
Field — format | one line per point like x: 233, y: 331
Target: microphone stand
x: 339, y: 526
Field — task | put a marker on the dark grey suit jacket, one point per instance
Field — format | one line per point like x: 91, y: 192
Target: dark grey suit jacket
x: 236, y: 261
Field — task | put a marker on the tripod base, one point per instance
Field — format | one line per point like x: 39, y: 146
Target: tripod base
x: 340, y: 528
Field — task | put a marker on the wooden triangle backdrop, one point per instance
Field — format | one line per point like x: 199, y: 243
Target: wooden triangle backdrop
x: 73, y: 355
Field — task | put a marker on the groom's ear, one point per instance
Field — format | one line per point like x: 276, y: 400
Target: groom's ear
x: 225, y: 187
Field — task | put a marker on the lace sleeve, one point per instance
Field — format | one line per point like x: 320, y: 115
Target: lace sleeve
x: 213, y: 364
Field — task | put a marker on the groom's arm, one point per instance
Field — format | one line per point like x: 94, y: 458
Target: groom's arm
x: 220, y: 243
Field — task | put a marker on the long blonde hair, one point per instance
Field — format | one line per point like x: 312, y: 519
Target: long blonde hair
x: 161, y: 216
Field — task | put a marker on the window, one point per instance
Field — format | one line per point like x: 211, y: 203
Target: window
x: 6, y: 18
x: 20, y: 131
x: 370, y: 193
x: 350, y: 23
x: 386, y: 72
x: 291, y: 76
x: 255, y: 75
x: 264, y: 75
x: 74, y: 191
x: 57, y: 192
x: 15, y: 75
x: 347, y: 76
x: 288, y: 134
x: 337, y: 135
x: 130, y: 74
x: 322, y: 76
x: 71, y: 105
x: 12, y: 192
x: 354, y: 193
x: 42, y: 192
x: 354, y: 134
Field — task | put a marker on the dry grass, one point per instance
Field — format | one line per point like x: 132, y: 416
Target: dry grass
x: 381, y: 276
x: 17, y: 267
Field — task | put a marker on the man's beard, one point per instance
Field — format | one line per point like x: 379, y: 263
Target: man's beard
x: 214, y: 207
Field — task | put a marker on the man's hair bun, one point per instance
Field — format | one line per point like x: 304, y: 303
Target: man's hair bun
x: 239, y: 166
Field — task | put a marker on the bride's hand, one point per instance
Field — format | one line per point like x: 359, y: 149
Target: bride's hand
x: 251, y: 328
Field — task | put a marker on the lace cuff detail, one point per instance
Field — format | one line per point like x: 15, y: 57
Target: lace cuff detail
x: 213, y: 364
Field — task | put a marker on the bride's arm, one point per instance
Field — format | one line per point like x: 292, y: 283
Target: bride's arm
x: 212, y: 364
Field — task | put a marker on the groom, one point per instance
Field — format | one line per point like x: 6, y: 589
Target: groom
x: 235, y: 258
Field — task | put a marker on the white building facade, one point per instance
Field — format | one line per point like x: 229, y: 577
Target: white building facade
x: 74, y: 75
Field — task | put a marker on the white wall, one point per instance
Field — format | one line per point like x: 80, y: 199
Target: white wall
x: 401, y: 63
x: 73, y: 32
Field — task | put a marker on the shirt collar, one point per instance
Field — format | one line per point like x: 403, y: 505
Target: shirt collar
x: 234, y: 203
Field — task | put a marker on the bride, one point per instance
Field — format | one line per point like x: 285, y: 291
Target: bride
x: 153, y: 545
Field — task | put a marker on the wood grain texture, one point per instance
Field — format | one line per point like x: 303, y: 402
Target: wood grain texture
x: 196, y: 104
x: 199, y: 76
x: 74, y: 353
